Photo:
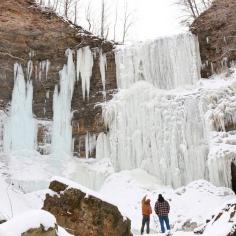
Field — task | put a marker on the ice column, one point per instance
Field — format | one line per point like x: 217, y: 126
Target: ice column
x: 103, y: 67
x: 20, y: 128
x: 166, y: 63
x: 62, y: 129
x: 84, y: 68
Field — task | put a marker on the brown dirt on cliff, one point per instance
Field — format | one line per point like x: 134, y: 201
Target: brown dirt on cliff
x: 216, y: 29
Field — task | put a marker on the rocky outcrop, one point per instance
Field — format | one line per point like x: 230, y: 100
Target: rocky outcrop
x: 30, y: 33
x: 223, y: 222
x: 82, y: 214
x: 216, y: 30
x: 41, y: 232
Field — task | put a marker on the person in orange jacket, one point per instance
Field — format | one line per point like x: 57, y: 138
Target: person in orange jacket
x: 146, y: 211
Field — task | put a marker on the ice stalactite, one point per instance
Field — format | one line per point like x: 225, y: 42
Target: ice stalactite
x: 62, y: 129
x: 166, y: 63
x: 103, y: 67
x: 90, y: 144
x: 84, y: 69
x: 157, y: 131
x: 20, y: 128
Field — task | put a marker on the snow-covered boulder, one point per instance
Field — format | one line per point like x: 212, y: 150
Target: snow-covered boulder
x: 83, y: 212
x: 223, y: 223
x: 31, y: 223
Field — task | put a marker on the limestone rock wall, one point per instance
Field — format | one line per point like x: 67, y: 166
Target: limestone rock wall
x: 28, y: 33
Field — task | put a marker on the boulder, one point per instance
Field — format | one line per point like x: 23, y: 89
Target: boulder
x: 81, y: 212
x: 223, y: 222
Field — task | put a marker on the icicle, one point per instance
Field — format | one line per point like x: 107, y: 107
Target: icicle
x: 47, y: 68
x: 62, y: 129
x: 20, y: 129
x: 102, y: 66
x: 84, y: 69
x: 29, y: 69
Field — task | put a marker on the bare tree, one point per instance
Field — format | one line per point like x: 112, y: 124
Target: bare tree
x: 127, y: 21
x: 193, y: 8
x: 104, y: 23
x: 115, y: 22
x: 102, y: 18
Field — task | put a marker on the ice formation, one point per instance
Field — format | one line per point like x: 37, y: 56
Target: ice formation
x: 62, y: 129
x: 20, y: 127
x: 90, y: 144
x: 166, y: 63
x: 155, y: 130
x: 169, y: 133
x: 103, y: 66
x: 84, y: 68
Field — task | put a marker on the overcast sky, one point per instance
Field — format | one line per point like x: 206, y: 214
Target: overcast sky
x: 156, y: 18
x: 152, y: 18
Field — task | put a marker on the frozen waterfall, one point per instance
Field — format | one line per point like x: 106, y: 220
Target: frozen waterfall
x: 20, y: 127
x: 166, y: 63
x: 62, y: 129
x: 157, y: 131
x: 151, y: 127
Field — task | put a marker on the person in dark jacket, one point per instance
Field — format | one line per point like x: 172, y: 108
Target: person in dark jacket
x: 162, y: 209
x: 146, y: 211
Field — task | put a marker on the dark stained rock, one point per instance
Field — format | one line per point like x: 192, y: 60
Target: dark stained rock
x: 86, y: 215
x: 216, y: 30
x: 29, y: 33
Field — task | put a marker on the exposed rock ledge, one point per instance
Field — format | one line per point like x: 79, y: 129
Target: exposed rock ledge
x: 216, y: 30
x: 82, y: 213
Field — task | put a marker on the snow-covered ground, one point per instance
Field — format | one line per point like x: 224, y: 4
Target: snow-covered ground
x: 190, y: 205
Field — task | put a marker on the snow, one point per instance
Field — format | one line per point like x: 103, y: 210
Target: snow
x: 28, y: 220
x: 195, y: 202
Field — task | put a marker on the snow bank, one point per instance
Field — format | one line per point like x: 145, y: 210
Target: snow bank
x: 28, y: 220
x: 193, y: 203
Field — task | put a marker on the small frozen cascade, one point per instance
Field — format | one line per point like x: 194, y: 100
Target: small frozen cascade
x: 167, y: 63
x: 20, y: 127
x: 62, y: 129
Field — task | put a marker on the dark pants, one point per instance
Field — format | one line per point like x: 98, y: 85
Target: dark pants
x: 163, y: 219
x: 146, y: 220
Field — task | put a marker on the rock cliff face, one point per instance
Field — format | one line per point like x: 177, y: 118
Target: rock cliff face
x: 29, y: 33
x: 216, y: 30
x: 82, y: 214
